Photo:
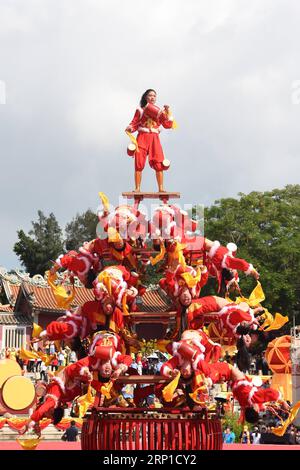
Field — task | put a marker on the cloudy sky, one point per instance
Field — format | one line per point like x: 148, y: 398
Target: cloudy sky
x: 72, y: 73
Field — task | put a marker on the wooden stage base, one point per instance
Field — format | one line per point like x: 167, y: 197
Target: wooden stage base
x: 147, y: 195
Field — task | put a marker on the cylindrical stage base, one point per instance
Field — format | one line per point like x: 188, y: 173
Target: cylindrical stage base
x: 150, y: 430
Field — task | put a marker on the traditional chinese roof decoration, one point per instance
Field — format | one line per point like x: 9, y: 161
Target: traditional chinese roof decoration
x: 18, y: 277
x: 37, y: 291
x: 7, y: 319
x: 154, y: 300
x: 42, y: 298
x: 6, y: 308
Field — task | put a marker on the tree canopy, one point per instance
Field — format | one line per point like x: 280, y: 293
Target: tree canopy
x: 42, y: 244
x: 81, y: 229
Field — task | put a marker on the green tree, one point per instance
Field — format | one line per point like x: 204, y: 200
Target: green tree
x: 42, y: 244
x: 265, y: 226
x: 81, y: 229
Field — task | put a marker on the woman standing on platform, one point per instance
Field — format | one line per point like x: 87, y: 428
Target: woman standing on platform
x: 147, y: 120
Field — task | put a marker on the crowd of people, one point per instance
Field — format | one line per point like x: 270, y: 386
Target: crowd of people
x: 260, y: 434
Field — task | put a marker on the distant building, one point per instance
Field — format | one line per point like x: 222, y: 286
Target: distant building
x: 28, y: 300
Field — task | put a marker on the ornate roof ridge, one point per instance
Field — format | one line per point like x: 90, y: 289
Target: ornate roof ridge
x: 18, y: 277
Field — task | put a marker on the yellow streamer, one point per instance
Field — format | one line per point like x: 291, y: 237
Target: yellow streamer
x: 268, y: 319
x: 37, y: 329
x: 278, y: 322
x: 160, y: 255
x: 190, y: 280
x: 124, y: 305
x: 133, y: 140
x: 62, y: 297
x: 104, y: 200
x: 85, y: 401
x: 105, y: 278
x: 177, y: 255
x: 168, y: 391
x: 280, y: 431
x: 256, y: 297
x: 106, y: 389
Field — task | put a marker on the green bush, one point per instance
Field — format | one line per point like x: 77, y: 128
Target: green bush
x: 231, y: 420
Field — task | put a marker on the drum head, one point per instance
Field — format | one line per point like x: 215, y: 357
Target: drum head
x: 166, y: 163
x: 131, y: 147
x: 8, y: 367
x: 18, y: 392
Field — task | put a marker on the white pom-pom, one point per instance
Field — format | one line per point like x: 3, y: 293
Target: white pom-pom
x: 231, y: 247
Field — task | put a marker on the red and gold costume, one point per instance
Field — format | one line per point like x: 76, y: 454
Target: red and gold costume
x: 148, y: 138
x: 221, y: 257
x: 88, y: 319
x: 194, y: 345
x: 228, y: 317
x: 243, y: 390
x: 78, y: 263
x: 118, y: 282
x: 63, y: 389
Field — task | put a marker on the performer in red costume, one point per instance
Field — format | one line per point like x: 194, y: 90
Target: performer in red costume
x: 119, y: 283
x: 148, y: 137
x: 104, y: 359
x: 84, y: 265
x: 251, y: 398
x: 196, y: 345
x: 193, y: 346
x: 227, y: 314
x: 85, y: 320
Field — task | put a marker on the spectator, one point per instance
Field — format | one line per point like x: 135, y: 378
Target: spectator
x: 52, y: 348
x: 54, y: 363
x: 61, y: 358
x: 245, y: 436
x: 228, y: 436
x: 255, y: 436
x: 73, y: 357
x: 297, y: 437
x: 43, y: 372
x: 71, y: 433
x: 292, y: 436
x: 145, y: 365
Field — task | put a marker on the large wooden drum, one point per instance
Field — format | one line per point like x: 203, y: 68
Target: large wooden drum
x: 137, y: 429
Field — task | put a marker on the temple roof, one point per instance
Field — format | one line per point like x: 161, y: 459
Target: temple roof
x: 13, y: 319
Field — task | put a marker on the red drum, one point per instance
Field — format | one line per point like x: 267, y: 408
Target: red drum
x: 187, y: 351
x: 131, y: 148
x: 152, y: 111
x: 103, y: 352
x: 166, y: 163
